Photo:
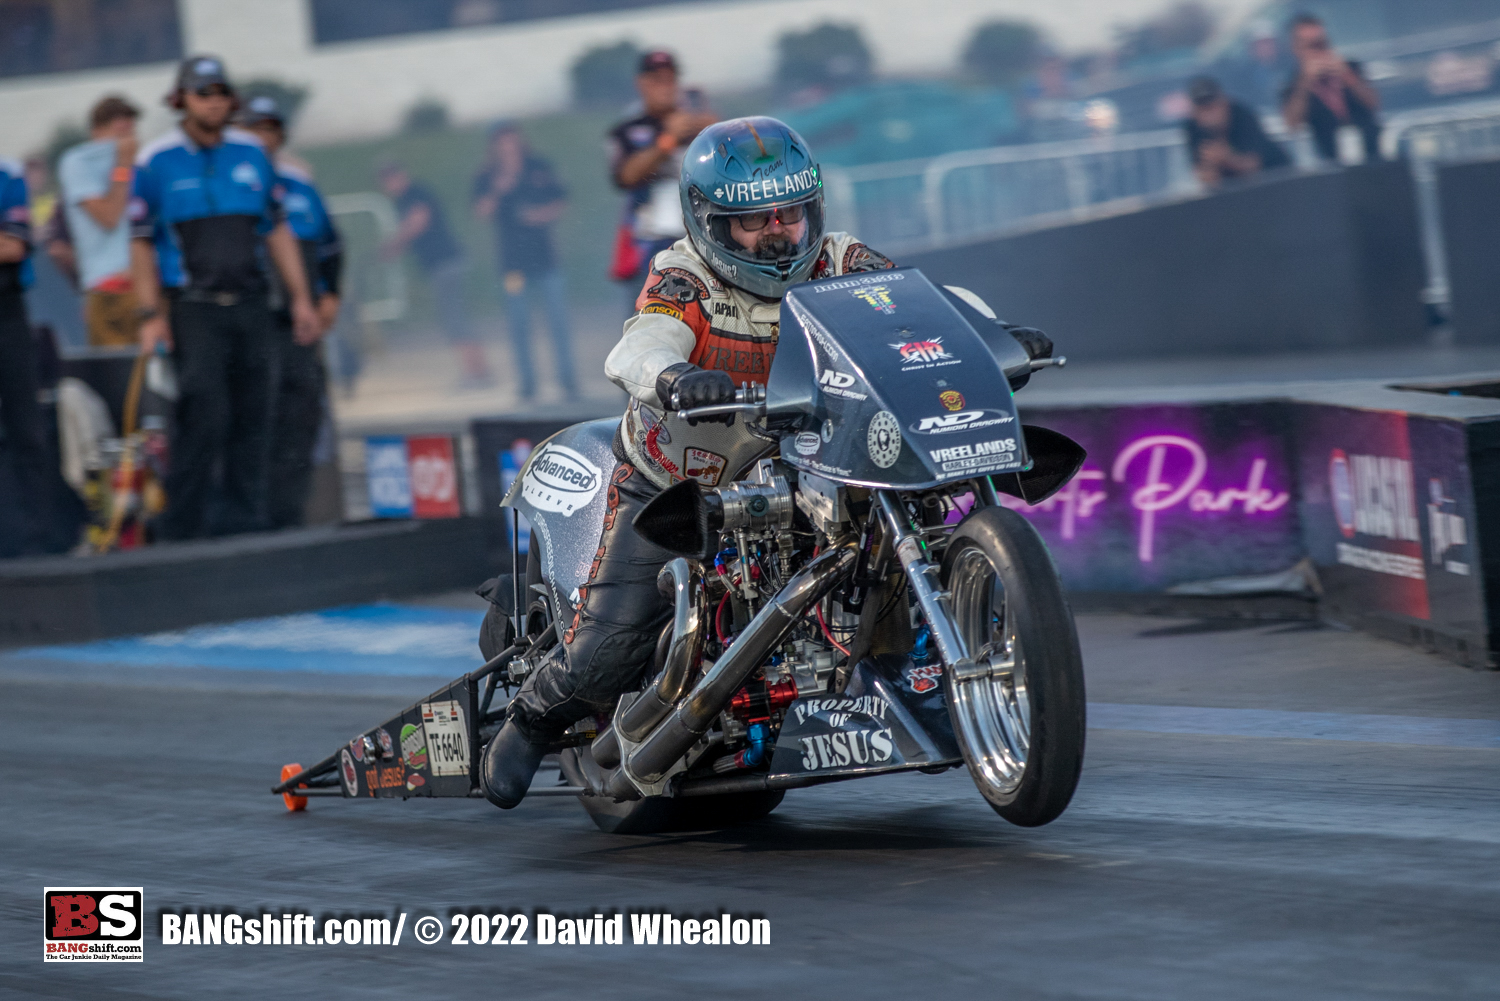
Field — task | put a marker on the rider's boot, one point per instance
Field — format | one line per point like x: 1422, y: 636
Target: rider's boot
x: 510, y: 763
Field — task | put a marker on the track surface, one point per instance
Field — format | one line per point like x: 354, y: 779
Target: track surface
x: 1190, y: 865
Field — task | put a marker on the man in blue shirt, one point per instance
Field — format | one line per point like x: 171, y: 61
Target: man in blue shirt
x: 20, y: 416
x: 300, y: 393
x: 205, y: 218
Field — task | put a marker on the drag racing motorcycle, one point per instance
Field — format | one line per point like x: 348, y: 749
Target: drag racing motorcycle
x: 854, y: 600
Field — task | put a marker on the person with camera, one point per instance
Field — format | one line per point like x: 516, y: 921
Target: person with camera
x: 1328, y: 93
x: 205, y: 217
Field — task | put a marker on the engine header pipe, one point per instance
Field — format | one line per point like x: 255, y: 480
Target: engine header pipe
x: 692, y: 717
x: 687, y: 593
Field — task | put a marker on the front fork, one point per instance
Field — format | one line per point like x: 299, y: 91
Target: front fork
x: 923, y: 573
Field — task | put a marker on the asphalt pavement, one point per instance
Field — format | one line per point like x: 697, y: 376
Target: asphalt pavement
x: 1274, y: 811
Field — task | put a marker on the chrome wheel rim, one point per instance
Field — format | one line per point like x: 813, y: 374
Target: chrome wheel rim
x: 989, y: 698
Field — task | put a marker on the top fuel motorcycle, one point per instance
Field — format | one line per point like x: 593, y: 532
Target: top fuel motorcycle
x: 856, y: 601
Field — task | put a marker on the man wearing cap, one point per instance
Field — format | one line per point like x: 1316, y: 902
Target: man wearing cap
x: 303, y: 379
x: 204, y: 221
x: 95, y: 178
x: 1225, y: 138
x: 645, y: 157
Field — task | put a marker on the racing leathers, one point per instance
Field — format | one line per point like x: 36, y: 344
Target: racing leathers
x: 685, y: 315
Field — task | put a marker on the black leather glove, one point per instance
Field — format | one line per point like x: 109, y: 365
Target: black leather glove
x: 695, y: 387
x: 1036, y: 343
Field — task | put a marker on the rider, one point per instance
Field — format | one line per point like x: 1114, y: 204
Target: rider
x: 706, y: 320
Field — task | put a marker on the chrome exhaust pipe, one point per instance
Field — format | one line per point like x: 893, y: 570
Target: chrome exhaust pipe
x: 652, y: 705
x: 648, y: 763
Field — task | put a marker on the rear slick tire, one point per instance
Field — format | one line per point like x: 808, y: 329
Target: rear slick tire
x: 1021, y: 721
x: 660, y: 814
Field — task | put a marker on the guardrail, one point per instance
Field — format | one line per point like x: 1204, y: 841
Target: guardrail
x: 916, y: 205
x: 1429, y: 138
x: 922, y: 204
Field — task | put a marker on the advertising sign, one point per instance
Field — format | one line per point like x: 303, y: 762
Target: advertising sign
x: 434, y: 476
x: 1388, y: 517
x: 388, y: 476
x: 1170, y: 494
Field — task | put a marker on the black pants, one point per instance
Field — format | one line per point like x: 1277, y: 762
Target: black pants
x: 21, y: 419
x: 608, y: 642
x: 299, y: 415
x: 226, y: 366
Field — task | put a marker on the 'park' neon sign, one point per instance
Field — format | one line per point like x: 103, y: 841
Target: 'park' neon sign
x: 1166, y: 485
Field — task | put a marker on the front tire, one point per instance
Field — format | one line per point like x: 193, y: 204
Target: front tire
x: 1019, y: 713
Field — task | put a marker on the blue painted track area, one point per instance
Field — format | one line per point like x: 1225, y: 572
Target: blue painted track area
x: 382, y: 639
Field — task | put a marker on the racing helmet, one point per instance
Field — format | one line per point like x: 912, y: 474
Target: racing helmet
x: 753, y: 180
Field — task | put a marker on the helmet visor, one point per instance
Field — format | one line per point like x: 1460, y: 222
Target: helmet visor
x: 776, y: 235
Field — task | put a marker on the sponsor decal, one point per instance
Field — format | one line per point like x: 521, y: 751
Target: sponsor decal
x: 929, y: 353
x: 836, y: 383
x: 964, y: 420
x: 845, y: 748
x: 678, y: 285
x: 826, y: 469
x: 413, y: 747
x: 728, y: 309
x: 244, y: 173
x: 347, y: 773
x: 1446, y: 530
x: 861, y: 258
x: 878, y: 297
x: 840, y: 709
x: 884, y: 439
x: 387, y: 746
x: 722, y: 266
x: 93, y: 924
x: 923, y: 677
x: 704, y: 466
x: 1373, y: 495
x: 808, y: 443
x: 663, y: 308
x: 975, y: 456
x: 660, y: 434
x: 393, y: 777
x: 561, y: 480
x: 951, y: 399
x: 414, y: 781
x: 447, y: 737
x: 1380, y: 561
x: 856, y: 282
x: 767, y: 189
x: 357, y: 748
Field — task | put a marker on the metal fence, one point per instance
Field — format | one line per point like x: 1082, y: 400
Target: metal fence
x: 915, y: 205
x: 920, y: 204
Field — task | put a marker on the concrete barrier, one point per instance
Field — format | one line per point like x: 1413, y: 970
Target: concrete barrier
x: 1326, y: 260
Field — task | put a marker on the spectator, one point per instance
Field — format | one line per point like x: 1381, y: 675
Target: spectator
x: 20, y: 414
x: 1225, y: 138
x: 423, y: 229
x: 95, y: 179
x: 520, y: 193
x: 645, y: 159
x: 204, y: 217
x: 1327, y: 93
x: 303, y: 381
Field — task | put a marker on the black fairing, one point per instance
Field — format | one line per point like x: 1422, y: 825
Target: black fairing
x: 1054, y: 459
x: 880, y: 381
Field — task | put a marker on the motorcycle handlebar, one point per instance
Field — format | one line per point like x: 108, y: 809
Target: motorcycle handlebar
x: 748, y: 399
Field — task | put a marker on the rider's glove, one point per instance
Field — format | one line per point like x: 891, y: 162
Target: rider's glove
x: 1036, y: 343
x: 685, y: 386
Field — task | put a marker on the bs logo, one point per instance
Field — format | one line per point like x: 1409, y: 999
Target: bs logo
x: 73, y: 914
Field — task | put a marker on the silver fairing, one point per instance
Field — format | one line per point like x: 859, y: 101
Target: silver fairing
x: 563, y: 490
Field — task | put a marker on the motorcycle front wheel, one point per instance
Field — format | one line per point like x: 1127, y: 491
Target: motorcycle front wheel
x: 1019, y: 710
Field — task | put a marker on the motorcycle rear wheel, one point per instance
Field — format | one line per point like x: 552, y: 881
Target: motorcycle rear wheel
x: 1019, y: 714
